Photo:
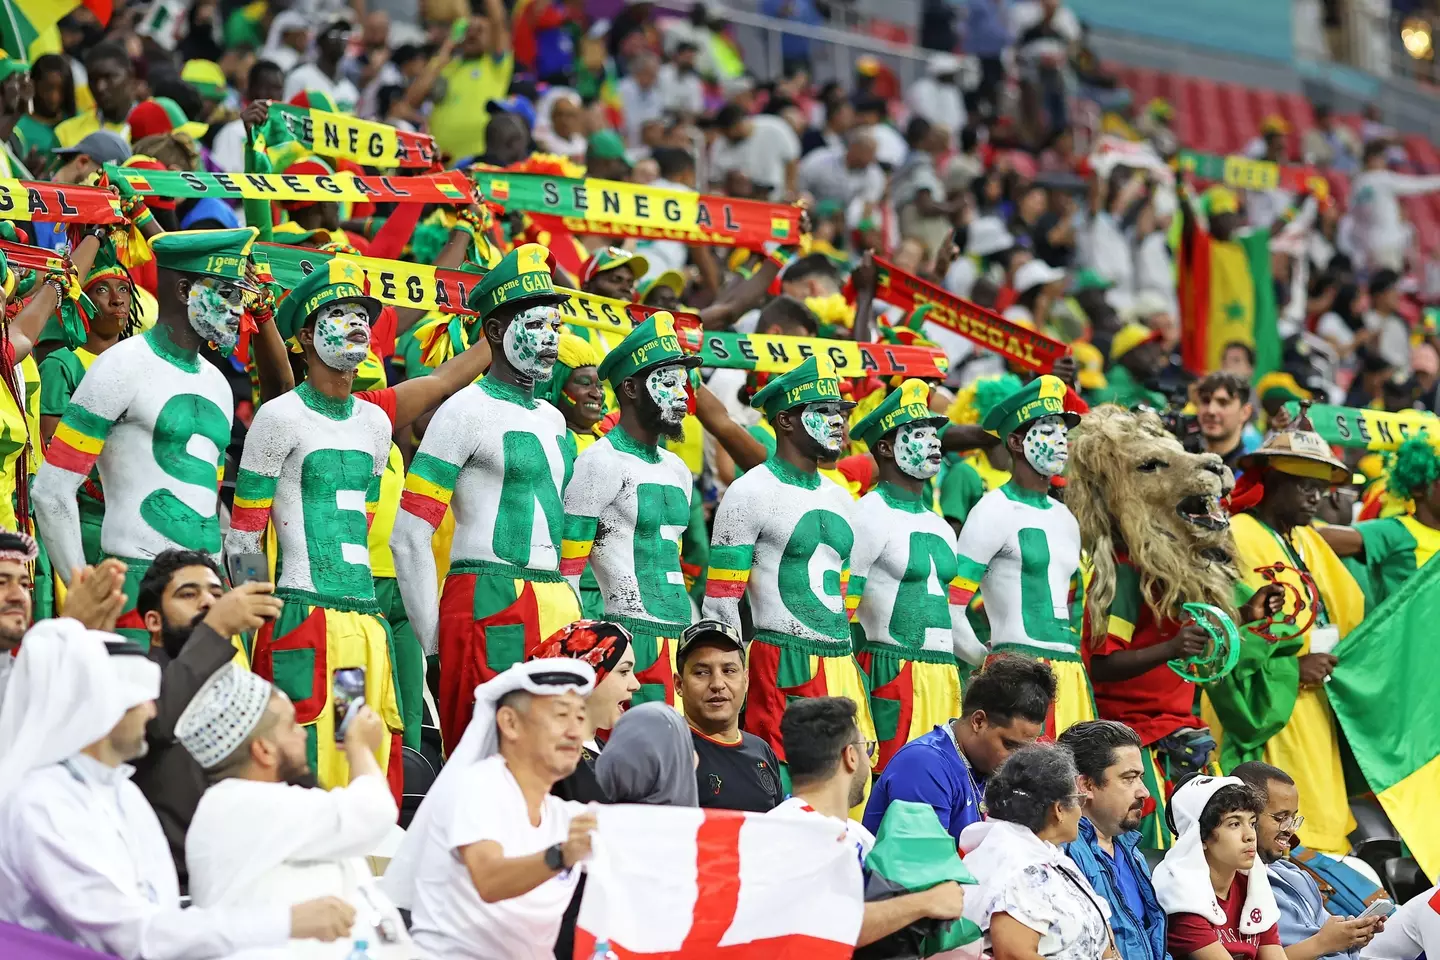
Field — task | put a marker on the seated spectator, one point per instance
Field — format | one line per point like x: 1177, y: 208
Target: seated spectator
x: 649, y: 758
x: 296, y: 840
x: 736, y: 770
x: 1330, y: 143
x: 1308, y: 931
x: 1218, y: 904
x: 872, y: 115
x: 191, y: 620
x: 493, y: 879
x: 842, y: 175
x: 683, y: 92
x: 85, y: 859
x: 1032, y: 899
x: 765, y: 148
x: 1004, y: 709
x: 323, y: 74
x: 936, y: 98
x: 916, y: 189
x: 559, y: 123
x: 829, y: 769
x: 1112, y: 777
x: 641, y: 95
x: 1391, y: 332
x: 610, y: 651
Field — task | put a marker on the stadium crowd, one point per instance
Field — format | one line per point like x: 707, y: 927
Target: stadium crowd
x: 1037, y: 505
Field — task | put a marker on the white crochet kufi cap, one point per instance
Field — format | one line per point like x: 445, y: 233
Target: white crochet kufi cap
x: 225, y: 711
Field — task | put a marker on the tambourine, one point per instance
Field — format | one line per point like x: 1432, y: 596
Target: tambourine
x: 1221, y: 653
x: 1307, y: 602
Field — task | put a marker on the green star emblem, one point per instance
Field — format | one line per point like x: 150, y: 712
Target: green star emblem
x: 1234, y: 311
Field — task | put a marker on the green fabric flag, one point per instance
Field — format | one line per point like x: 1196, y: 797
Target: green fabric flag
x: 1383, y: 695
x: 913, y: 853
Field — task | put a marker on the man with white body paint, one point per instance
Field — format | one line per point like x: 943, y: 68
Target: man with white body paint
x: 628, y: 504
x: 156, y: 416
x: 905, y: 612
x: 783, y: 534
x: 1021, y: 548
x: 500, y: 454
x: 312, y: 463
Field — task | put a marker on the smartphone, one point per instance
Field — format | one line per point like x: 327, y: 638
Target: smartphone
x: 1380, y: 908
x: 347, y: 694
x: 457, y: 30
x: 247, y: 568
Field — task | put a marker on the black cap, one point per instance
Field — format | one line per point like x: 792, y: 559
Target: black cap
x: 707, y: 632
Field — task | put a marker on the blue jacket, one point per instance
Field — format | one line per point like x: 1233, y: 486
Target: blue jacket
x: 1137, y: 938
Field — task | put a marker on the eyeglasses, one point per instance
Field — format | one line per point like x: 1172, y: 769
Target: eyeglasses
x: 1288, y: 823
x: 871, y: 747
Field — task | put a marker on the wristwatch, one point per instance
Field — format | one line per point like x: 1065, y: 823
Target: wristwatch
x: 555, y: 857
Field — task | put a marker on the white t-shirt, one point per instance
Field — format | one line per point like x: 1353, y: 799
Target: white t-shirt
x: 307, y: 76
x: 450, y: 919
x: 1393, y: 343
x: 863, y: 839
x: 762, y: 156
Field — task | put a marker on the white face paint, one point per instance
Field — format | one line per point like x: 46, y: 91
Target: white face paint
x: 214, y: 308
x: 917, y: 450
x: 1047, y: 445
x: 825, y: 423
x: 667, y: 388
x: 532, y: 342
x: 342, y: 335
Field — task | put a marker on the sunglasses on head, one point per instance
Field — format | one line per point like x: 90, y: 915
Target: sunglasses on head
x: 557, y: 678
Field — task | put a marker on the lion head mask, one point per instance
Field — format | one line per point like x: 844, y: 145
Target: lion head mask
x: 1134, y: 489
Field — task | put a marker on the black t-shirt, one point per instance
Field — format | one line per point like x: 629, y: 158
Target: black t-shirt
x: 738, y: 776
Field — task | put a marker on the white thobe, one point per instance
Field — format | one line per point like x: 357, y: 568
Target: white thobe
x: 83, y: 858
x: 253, y: 844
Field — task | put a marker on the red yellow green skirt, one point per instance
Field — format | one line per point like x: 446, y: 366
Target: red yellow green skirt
x: 491, y: 620
x: 301, y: 650
x: 911, y: 692
x: 1074, y: 698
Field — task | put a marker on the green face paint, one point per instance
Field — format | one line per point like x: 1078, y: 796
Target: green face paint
x: 667, y: 388
x: 1047, y: 445
x: 825, y: 423
x: 342, y: 336
x: 214, y: 308
x: 917, y: 450
x: 532, y: 342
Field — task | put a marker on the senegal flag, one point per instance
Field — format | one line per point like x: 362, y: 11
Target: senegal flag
x: 1226, y: 292
x: 1383, y: 694
x: 27, y: 27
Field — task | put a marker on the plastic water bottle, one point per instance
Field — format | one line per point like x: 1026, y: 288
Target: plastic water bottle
x: 361, y: 951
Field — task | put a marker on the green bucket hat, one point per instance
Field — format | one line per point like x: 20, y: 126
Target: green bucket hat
x: 1041, y: 397
x: 909, y: 404
x: 607, y: 145
x: 814, y: 381
x: 213, y: 253
x: 523, y: 277
x: 337, y: 279
x: 651, y: 344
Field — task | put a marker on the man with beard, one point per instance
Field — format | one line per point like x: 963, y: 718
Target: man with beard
x: 156, y: 416
x: 1112, y: 781
x: 17, y: 552
x: 629, y: 503
x: 829, y: 764
x: 500, y: 453
x: 904, y: 611
x: 112, y: 82
x: 1276, y: 709
x: 783, y: 533
x: 1308, y: 930
x: 312, y: 464
x: 264, y: 834
x: 191, y: 622
x: 84, y: 858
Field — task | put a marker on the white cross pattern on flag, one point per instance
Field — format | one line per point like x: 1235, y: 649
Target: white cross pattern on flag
x: 673, y: 882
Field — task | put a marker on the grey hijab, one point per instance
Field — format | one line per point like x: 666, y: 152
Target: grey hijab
x: 649, y: 758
